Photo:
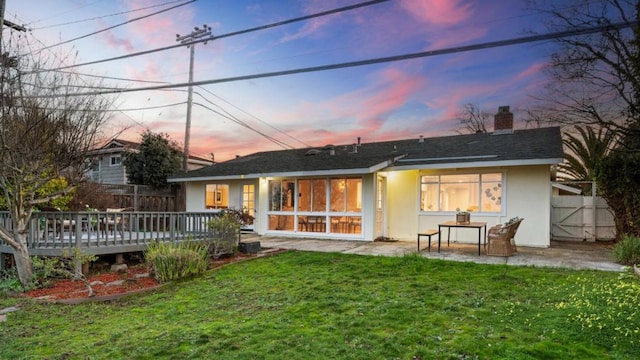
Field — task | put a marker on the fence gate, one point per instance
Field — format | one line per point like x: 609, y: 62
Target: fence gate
x: 579, y: 217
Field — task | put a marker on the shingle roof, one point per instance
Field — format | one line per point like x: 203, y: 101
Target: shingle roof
x: 532, y: 146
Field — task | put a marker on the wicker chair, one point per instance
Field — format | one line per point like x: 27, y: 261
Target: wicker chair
x: 501, y: 238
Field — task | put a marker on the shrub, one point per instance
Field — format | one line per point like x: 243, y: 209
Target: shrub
x: 225, y: 231
x: 627, y: 251
x: 172, y: 261
x: 9, y: 282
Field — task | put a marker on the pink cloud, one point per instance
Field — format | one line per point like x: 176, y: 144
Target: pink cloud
x: 438, y: 12
x: 390, y: 90
x: 118, y: 42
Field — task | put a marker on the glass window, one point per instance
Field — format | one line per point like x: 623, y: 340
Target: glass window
x: 491, y: 197
x: 337, y: 195
x: 473, y: 192
x: 354, y: 195
x: 281, y: 222
x: 216, y: 196
x: 346, y: 195
x: 281, y: 193
x: 312, y: 195
x: 115, y: 160
x: 319, y: 192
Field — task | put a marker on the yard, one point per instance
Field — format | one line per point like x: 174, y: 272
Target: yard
x: 301, y: 305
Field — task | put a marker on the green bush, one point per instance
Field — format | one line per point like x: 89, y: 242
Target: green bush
x: 172, y: 261
x: 9, y: 282
x: 225, y: 229
x: 627, y: 251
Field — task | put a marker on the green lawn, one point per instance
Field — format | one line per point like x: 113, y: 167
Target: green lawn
x: 300, y: 305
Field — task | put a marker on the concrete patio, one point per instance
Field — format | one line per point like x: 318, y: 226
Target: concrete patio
x: 573, y: 255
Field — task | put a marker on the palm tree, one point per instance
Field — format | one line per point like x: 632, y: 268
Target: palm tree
x: 586, y: 148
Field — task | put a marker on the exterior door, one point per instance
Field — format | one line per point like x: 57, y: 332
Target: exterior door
x: 381, y: 190
x: 249, y: 202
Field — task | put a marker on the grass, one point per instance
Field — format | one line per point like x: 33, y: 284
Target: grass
x: 301, y: 305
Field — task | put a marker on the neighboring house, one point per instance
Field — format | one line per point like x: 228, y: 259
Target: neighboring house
x: 390, y: 189
x: 107, y: 167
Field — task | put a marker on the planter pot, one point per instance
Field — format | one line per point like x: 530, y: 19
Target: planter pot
x: 249, y: 247
x: 463, y: 219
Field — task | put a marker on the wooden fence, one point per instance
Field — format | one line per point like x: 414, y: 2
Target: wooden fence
x: 143, y: 198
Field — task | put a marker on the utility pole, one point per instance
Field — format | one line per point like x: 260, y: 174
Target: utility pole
x: 196, y: 34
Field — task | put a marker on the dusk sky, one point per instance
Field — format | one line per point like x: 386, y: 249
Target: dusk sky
x: 395, y: 100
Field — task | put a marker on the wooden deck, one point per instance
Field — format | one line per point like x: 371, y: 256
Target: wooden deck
x: 100, y: 233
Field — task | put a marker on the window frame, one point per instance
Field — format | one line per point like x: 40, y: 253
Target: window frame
x: 326, y: 212
x: 112, y: 161
x: 439, y: 211
x: 218, y: 194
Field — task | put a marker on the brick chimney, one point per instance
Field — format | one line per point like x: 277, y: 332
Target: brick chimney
x: 503, y: 121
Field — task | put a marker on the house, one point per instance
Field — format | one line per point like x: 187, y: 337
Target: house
x: 106, y: 162
x: 390, y: 189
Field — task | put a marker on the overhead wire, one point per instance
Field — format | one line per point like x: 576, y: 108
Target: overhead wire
x: 380, y: 60
x: 255, y: 117
x: 151, y: 51
x: 105, y: 16
x: 117, y: 25
x: 268, y: 137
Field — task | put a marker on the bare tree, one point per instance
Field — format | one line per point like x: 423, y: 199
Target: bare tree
x: 595, y: 77
x: 45, y: 133
x: 597, y: 82
x: 472, y: 119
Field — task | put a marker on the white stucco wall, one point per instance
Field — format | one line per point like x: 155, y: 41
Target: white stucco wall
x: 527, y: 196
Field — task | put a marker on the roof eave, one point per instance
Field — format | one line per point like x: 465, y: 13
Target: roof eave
x: 334, y: 172
x: 476, y: 164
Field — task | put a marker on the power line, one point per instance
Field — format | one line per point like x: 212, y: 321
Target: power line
x: 117, y: 25
x: 106, y: 16
x: 272, y: 139
x: 368, y: 3
x: 114, y: 78
x: 307, y: 17
x: 235, y: 119
x: 255, y: 117
x: 422, y: 54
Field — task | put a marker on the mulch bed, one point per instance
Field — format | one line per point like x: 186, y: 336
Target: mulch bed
x: 72, y: 289
x: 136, y: 279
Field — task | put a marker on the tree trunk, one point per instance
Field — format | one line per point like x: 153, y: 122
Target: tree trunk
x: 23, y: 263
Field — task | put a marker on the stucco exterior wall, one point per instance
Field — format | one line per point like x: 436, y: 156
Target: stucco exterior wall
x: 528, y: 196
x: 526, y: 188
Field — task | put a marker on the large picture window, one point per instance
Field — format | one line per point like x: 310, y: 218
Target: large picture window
x: 316, y: 205
x: 216, y: 196
x: 473, y: 192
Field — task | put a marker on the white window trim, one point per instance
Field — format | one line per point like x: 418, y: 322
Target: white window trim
x: 111, y: 160
x: 503, y: 211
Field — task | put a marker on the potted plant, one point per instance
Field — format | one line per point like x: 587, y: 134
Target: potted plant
x: 463, y: 217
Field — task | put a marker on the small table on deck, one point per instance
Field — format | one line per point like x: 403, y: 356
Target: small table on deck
x: 472, y: 225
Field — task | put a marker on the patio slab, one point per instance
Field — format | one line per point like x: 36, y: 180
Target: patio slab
x: 587, y: 256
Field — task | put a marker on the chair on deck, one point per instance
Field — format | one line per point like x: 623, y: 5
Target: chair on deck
x: 501, y: 238
x: 114, y: 222
x: 57, y: 223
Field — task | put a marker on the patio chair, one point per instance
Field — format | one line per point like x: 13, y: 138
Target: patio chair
x: 114, y: 222
x: 57, y: 223
x: 501, y: 238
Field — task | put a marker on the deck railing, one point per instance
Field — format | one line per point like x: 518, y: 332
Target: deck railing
x: 53, y: 233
